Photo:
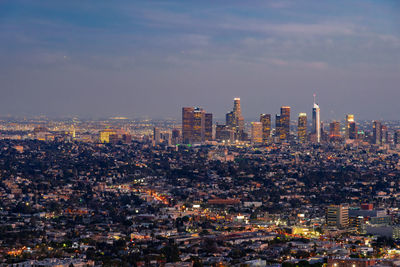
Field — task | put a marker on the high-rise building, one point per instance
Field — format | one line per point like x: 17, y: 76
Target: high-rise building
x: 194, y: 125
x: 234, y: 119
x: 302, y: 128
x: 349, y: 119
x: 384, y: 134
x: 316, y: 122
x: 338, y: 215
x: 278, y: 127
x: 175, y: 136
x: 334, y: 131
x: 187, y: 124
x: 285, y: 123
x: 208, y: 134
x: 256, y: 133
x: 199, y: 116
x: 353, y: 132
x: 156, y: 135
x: 377, y: 132
x: 265, y: 120
x: 396, y: 138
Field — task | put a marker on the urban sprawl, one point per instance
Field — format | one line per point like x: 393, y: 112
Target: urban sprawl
x: 192, y: 192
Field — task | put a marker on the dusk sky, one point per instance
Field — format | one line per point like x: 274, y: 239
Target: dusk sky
x: 136, y: 58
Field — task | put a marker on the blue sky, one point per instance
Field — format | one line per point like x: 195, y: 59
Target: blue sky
x: 136, y: 58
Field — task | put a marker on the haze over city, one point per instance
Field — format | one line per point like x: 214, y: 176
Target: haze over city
x: 150, y: 58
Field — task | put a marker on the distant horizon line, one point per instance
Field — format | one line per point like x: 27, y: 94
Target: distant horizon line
x: 152, y: 118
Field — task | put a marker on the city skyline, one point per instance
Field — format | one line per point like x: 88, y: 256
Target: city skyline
x: 140, y: 58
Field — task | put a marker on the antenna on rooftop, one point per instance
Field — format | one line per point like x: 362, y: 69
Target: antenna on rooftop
x: 314, y: 95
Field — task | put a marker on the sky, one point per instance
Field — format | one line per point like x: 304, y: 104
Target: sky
x: 132, y: 58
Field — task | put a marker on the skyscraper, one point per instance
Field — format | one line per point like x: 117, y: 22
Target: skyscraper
x: 187, y: 124
x: 396, y: 138
x: 302, y: 128
x: 156, y: 135
x: 194, y: 125
x: 316, y: 122
x: 353, y: 130
x: 256, y: 133
x: 377, y: 132
x: 234, y: 119
x: 278, y: 127
x: 265, y: 120
x: 208, y: 135
x: 349, y: 119
x: 384, y: 134
x: 285, y: 123
x: 198, y: 125
x: 175, y: 136
x: 334, y: 131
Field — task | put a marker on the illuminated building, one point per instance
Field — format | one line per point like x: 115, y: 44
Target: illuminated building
x: 338, y: 215
x: 265, y: 120
x: 302, y: 128
x: 187, y: 124
x: 285, y: 123
x: 349, y: 119
x: 176, y: 135
x: 224, y: 133
x: 316, y: 122
x: 198, y: 125
x: 352, y: 130
x: 278, y: 128
x: 120, y: 136
x: 256, y: 133
x: 104, y: 136
x: 384, y: 135
x: 166, y: 138
x: 377, y: 132
x: 234, y: 119
x: 396, y: 138
x: 156, y: 135
x: 208, y: 135
x: 334, y: 131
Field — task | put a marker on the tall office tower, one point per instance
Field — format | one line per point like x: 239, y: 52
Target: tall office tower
x: 256, y: 133
x: 384, y: 134
x: 396, y: 138
x: 353, y: 130
x: 349, y: 119
x: 278, y: 127
x: 230, y: 119
x: 234, y: 119
x: 285, y: 123
x: 187, y: 124
x: 302, y: 128
x: 338, y: 215
x: 208, y: 134
x: 316, y: 122
x: 334, y: 131
x: 265, y: 120
x: 198, y: 125
x: 175, y: 136
x: 377, y: 132
x: 156, y: 135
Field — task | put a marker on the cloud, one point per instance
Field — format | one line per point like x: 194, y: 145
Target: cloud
x: 291, y: 28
